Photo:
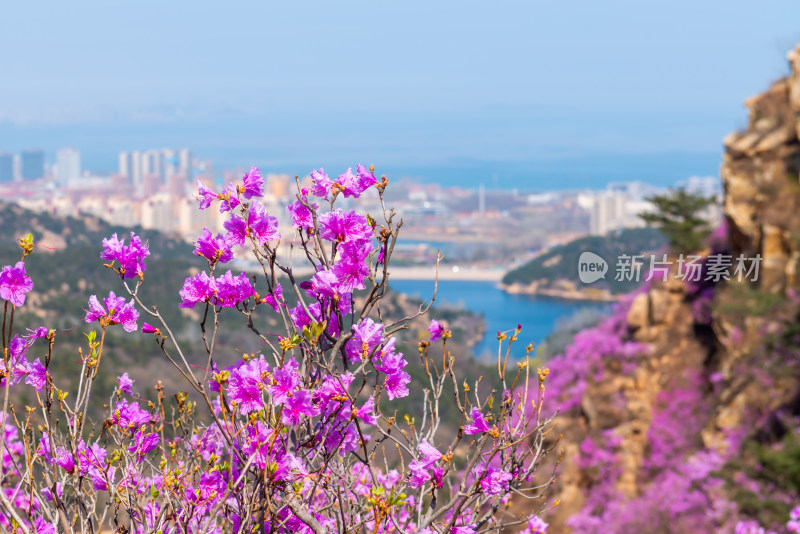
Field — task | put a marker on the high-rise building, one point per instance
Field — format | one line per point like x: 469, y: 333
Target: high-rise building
x: 185, y: 162
x: 68, y: 165
x: 125, y: 164
x: 136, y: 173
x: 32, y: 164
x: 169, y: 162
x: 158, y: 212
x: 151, y: 163
x: 6, y: 167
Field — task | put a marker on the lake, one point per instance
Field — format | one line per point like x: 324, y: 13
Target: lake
x: 537, y: 314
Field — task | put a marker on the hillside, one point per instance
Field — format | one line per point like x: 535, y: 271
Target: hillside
x: 558, y: 267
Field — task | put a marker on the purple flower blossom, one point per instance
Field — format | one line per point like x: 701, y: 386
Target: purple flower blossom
x: 149, y: 329
x: 436, y: 329
x: 130, y: 257
x: 495, y: 481
x: 117, y: 312
x: 367, y: 412
x: 297, y: 406
x: 429, y: 455
x: 396, y: 385
x: 228, y: 198
x: 253, y: 184
x: 48, y: 495
x: 124, y: 384
x: 64, y: 459
x: 205, y: 195
x: 264, y: 227
x: 322, y: 285
x: 322, y: 184
x: 366, y: 336
x: 479, y: 425
x: 37, y: 333
x: 536, y: 525
x: 18, y: 365
x: 214, y: 249
x: 351, y: 268
x: 300, y: 318
x: 41, y: 526
x: 91, y: 459
x: 199, y: 288
x: 15, y: 283
x: 301, y: 215
x: 354, y: 186
x: 130, y: 415
x: 276, y: 300
x: 285, y: 379
x: 37, y: 375
x: 245, y: 385
x: 212, y: 486
x: 390, y: 362
x: 232, y: 290
x: 344, y: 227
x: 237, y: 230
x: 143, y: 443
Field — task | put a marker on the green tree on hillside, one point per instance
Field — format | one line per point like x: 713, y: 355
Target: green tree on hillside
x: 678, y: 214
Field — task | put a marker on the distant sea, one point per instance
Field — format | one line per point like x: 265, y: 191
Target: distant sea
x: 538, y: 315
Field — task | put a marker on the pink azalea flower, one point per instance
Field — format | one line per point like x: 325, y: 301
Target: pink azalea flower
x: 322, y: 184
x: 37, y: 375
x: 253, y: 184
x: 15, y: 283
x: 213, y: 249
x: 118, y: 312
x: 124, y: 383
x: 436, y: 329
x: 478, y: 425
x: 130, y: 257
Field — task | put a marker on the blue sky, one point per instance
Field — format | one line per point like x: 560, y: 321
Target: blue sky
x: 411, y: 83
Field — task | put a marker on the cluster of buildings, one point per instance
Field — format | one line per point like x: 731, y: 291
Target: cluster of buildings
x: 155, y: 189
x: 620, y: 204
x: 151, y: 188
x: 27, y: 165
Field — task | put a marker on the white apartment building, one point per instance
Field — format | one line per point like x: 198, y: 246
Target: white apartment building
x: 192, y: 220
x: 122, y: 211
x: 158, y: 212
x: 68, y: 166
x: 613, y: 210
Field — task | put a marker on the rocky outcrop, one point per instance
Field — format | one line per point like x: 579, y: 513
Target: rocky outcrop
x: 760, y: 171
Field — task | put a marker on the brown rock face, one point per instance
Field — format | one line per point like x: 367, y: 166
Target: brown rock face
x: 762, y: 206
x: 760, y: 174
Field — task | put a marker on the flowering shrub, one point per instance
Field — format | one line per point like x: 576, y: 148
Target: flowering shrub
x: 301, y: 438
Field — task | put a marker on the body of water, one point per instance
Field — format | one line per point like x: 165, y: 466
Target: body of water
x: 538, y: 315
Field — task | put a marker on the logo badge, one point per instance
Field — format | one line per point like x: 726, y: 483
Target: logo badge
x: 591, y: 267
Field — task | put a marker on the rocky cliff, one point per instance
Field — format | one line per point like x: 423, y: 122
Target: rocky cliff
x: 669, y: 405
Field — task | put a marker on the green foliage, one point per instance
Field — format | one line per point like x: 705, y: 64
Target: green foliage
x: 740, y: 301
x: 773, y: 465
x: 679, y: 216
x: 561, y: 262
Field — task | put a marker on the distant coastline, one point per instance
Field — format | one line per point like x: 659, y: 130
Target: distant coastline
x: 446, y: 272
x: 593, y: 295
